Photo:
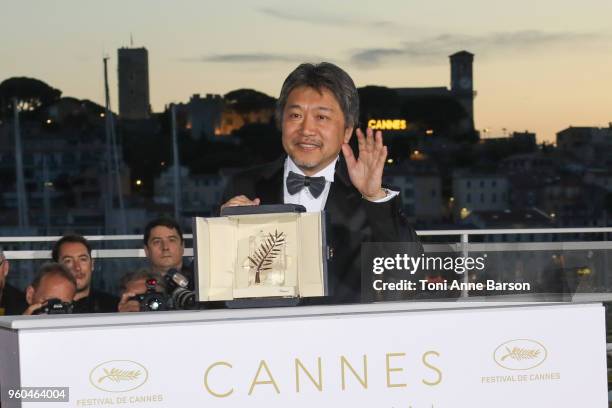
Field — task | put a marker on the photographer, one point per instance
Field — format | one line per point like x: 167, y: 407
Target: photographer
x: 53, y: 285
x: 146, y: 291
x: 133, y: 284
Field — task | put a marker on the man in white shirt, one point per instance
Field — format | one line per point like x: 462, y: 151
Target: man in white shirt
x: 317, y: 111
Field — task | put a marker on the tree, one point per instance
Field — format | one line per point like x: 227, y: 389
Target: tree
x: 261, y: 141
x: 31, y: 94
x: 248, y: 100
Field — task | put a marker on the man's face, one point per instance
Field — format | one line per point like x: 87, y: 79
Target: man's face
x: 51, y: 286
x: 164, y: 249
x: 313, y: 128
x: 75, y: 257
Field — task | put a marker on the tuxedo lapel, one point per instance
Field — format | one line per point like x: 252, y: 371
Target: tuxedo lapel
x: 343, y: 198
x: 269, y: 188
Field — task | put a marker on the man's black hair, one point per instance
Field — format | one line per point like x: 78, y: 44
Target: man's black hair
x: 319, y: 76
x: 163, y: 222
x: 69, y: 238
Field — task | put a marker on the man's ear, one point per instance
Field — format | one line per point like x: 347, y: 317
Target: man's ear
x: 30, y: 295
x: 348, y: 132
x: 146, y: 249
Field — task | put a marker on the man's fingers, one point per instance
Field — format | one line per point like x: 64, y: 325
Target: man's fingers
x: 126, y: 305
x: 348, y: 155
x: 239, y: 201
x: 242, y: 200
x: 379, y: 146
x: 378, y: 139
x: 32, y: 308
x: 382, y: 158
x: 369, y: 139
x: 125, y: 297
x: 370, y: 147
x: 360, y: 140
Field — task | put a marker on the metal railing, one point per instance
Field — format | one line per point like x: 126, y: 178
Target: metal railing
x: 463, y: 237
x: 116, y: 254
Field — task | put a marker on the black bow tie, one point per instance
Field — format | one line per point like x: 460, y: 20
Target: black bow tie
x: 296, y: 182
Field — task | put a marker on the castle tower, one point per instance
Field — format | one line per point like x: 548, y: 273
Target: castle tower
x: 133, y: 71
x: 462, y: 84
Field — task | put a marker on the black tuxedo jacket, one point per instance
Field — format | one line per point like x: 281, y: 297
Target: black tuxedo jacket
x: 351, y: 219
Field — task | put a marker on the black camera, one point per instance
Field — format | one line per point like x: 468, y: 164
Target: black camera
x: 55, y: 306
x: 176, y: 296
x: 152, y: 300
x: 181, y: 298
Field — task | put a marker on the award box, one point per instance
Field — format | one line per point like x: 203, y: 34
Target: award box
x: 276, y: 251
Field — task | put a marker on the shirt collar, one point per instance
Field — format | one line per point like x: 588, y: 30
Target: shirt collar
x: 328, y: 172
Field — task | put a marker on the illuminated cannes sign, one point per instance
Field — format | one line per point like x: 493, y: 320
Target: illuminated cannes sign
x: 387, y: 124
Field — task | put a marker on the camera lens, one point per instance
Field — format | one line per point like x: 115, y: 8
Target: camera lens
x: 183, y: 299
x: 153, y: 302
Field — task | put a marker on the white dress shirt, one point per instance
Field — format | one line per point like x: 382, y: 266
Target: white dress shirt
x: 305, y: 198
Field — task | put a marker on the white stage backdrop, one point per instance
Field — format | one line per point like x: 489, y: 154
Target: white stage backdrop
x: 536, y: 356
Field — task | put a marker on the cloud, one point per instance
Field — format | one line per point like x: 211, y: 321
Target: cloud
x: 250, y: 58
x: 326, y: 19
x: 433, y: 50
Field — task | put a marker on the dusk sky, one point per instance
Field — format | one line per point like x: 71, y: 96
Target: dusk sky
x: 539, y: 65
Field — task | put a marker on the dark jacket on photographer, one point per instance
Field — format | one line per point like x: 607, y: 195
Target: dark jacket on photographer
x: 96, y: 302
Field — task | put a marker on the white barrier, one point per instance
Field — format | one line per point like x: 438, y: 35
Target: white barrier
x: 380, y: 355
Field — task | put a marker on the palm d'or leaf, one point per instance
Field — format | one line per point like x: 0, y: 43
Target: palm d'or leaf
x: 263, y: 256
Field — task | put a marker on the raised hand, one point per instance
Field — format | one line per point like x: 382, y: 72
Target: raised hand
x: 366, y: 171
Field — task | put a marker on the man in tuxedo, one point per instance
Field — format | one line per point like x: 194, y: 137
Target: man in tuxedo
x: 317, y: 111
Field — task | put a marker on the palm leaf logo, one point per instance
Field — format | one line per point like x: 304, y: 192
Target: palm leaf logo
x: 261, y: 259
x: 518, y: 353
x: 117, y: 375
